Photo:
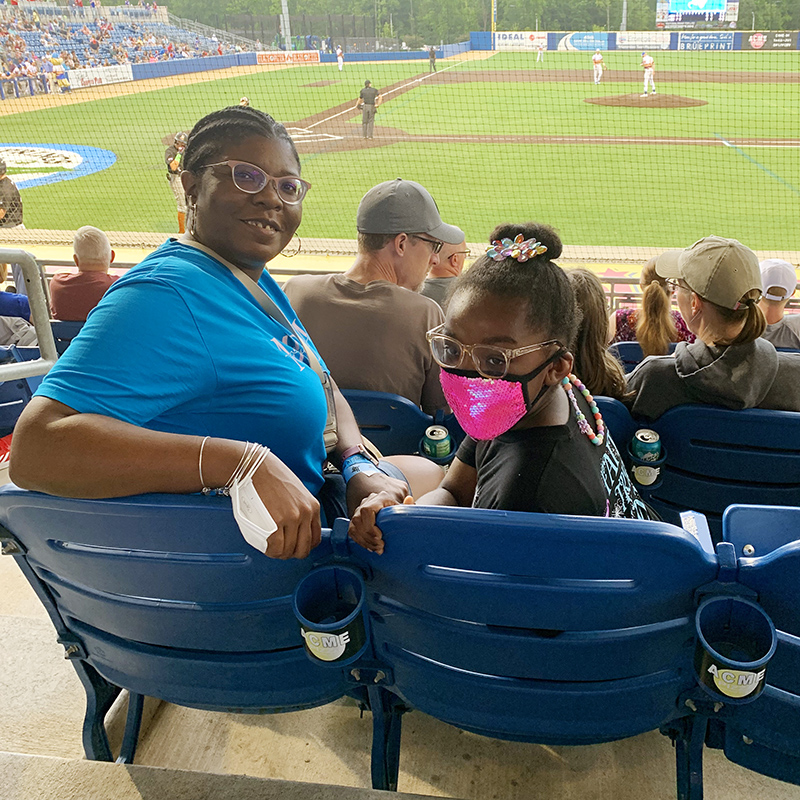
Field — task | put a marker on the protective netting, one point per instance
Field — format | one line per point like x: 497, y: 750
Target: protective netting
x: 528, y: 130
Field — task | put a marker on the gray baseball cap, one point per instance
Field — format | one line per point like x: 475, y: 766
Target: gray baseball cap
x: 720, y: 270
x: 401, y: 206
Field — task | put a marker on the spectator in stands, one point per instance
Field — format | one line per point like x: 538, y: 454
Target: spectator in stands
x: 179, y: 365
x: 655, y: 325
x: 534, y: 441
x: 10, y: 201
x: 594, y: 365
x: 11, y: 304
x: 442, y: 276
x: 74, y: 295
x: 718, y: 285
x: 369, y: 323
x: 778, y: 282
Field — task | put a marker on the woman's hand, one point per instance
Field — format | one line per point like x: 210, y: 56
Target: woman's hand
x: 361, y: 486
x: 362, y: 524
x: 294, y: 509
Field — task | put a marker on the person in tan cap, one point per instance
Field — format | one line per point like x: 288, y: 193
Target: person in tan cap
x: 779, y: 281
x: 717, y: 284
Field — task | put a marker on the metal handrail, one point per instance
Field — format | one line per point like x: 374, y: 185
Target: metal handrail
x: 40, y: 316
x: 208, y: 31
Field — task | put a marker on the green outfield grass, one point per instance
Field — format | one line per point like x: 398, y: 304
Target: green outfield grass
x: 596, y: 194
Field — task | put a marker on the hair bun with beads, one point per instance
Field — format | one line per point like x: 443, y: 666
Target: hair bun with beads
x: 544, y: 235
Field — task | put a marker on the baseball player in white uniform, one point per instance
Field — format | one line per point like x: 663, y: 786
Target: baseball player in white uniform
x: 597, y: 60
x: 648, y: 67
x: 540, y: 52
x: 340, y: 57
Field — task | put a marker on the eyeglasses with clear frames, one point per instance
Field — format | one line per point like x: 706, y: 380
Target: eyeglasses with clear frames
x: 490, y: 361
x: 436, y: 245
x: 251, y: 179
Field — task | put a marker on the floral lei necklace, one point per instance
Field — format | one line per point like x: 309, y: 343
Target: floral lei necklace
x: 595, y: 438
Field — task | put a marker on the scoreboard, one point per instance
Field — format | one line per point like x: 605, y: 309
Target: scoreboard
x: 691, y: 13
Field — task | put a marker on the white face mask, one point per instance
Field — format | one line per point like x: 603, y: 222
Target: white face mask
x: 252, y: 517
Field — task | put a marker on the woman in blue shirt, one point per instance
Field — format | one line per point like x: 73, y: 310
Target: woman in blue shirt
x: 180, y: 364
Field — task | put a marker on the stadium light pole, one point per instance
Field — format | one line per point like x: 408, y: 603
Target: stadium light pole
x: 494, y: 22
x: 623, y: 26
x: 286, y: 25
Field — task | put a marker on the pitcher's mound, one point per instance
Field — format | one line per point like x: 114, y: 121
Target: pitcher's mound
x: 651, y: 101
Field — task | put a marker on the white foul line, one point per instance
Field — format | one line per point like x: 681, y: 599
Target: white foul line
x: 416, y: 80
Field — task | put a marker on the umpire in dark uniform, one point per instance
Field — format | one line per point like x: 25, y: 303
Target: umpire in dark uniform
x: 368, y: 100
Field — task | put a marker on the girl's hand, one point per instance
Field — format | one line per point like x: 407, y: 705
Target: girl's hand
x: 362, y: 528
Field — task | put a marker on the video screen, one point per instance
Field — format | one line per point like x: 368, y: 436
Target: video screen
x: 692, y: 7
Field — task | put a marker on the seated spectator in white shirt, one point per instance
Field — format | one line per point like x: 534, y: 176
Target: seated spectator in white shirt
x: 74, y: 295
x: 779, y: 281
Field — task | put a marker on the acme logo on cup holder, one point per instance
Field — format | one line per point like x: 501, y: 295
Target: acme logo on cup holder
x: 326, y: 646
x: 734, y: 682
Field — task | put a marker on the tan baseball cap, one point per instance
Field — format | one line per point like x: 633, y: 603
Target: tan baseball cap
x: 720, y: 270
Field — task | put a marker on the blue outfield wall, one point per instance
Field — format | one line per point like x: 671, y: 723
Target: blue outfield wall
x: 180, y: 66
x: 679, y: 40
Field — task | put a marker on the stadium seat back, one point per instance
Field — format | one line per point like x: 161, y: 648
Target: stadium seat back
x: 393, y: 423
x: 716, y: 457
x: 532, y: 626
x: 630, y: 354
x: 162, y: 596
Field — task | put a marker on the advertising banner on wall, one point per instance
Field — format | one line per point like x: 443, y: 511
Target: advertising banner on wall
x: 520, y: 40
x: 705, y: 40
x: 594, y: 40
x: 769, y: 40
x: 643, y: 40
x: 99, y: 76
x: 288, y: 57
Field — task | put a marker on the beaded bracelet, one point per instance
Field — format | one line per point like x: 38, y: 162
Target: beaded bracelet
x: 252, y: 457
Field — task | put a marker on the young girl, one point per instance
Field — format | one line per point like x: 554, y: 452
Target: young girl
x: 535, y: 439
x: 655, y: 325
x: 600, y: 371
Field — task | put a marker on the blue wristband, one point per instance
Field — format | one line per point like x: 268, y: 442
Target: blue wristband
x: 358, y: 464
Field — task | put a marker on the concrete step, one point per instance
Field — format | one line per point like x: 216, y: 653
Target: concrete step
x: 27, y: 777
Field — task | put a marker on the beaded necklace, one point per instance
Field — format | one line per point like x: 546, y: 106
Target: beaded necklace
x: 596, y: 439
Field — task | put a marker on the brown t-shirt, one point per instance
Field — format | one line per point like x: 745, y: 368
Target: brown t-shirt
x: 371, y: 336
x: 74, y: 295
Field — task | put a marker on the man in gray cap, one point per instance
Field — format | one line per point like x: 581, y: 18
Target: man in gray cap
x: 10, y: 201
x: 717, y: 283
x: 368, y: 100
x: 369, y: 324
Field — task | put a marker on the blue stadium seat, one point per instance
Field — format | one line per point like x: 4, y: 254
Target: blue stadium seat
x: 161, y: 595
x: 531, y: 627
x: 619, y: 422
x: 64, y: 332
x: 765, y: 736
x: 630, y: 354
x: 717, y: 457
x: 393, y: 423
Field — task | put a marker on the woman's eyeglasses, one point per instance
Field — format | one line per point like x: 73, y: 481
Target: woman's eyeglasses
x: 490, y: 361
x: 252, y: 179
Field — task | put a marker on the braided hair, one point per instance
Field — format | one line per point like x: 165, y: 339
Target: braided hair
x: 230, y: 125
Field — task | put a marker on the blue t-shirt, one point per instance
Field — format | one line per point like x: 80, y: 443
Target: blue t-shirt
x: 15, y: 305
x: 179, y: 345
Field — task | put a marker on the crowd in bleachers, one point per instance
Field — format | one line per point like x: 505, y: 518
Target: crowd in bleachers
x: 28, y: 44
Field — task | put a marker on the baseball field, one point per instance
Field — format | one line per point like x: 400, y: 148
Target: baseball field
x: 493, y: 136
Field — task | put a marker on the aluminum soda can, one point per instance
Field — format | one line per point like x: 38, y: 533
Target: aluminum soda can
x: 437, y: 442
x: 646, y: 445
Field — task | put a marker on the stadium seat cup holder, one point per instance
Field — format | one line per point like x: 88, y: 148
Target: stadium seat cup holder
x: 735, y: 642
x: 646, y: 474
x: 329, y: 604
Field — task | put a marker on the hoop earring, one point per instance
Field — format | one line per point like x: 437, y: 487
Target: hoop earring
x: 190, y: 217
x: 299, y: 246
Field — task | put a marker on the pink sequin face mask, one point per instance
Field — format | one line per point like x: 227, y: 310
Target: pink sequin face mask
x: 484, y: 408
x: 488, y: 407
